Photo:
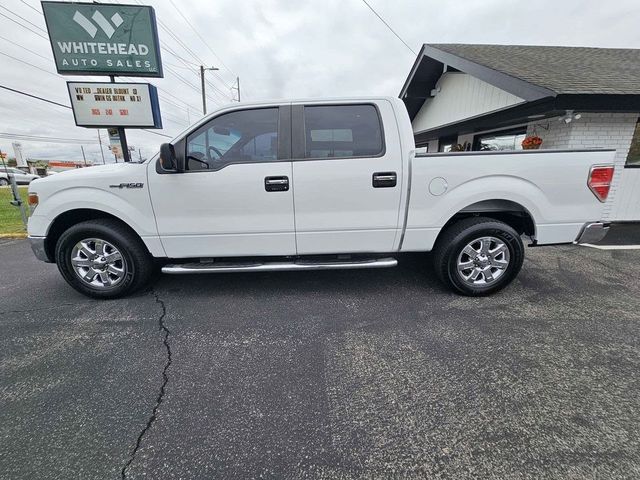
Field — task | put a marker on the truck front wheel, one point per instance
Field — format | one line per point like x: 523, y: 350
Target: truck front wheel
x: 478, y: 256
x: 103, y: 258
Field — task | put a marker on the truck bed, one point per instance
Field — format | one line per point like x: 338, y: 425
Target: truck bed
x: 549, y: 185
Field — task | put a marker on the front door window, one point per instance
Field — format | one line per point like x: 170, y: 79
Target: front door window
x: 242, y: 136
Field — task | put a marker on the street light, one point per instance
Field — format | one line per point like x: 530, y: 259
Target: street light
x: 204, y: 98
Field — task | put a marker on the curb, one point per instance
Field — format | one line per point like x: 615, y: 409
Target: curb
x: 13, y: 235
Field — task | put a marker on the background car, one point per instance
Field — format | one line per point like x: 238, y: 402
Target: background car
x: 21, y: 177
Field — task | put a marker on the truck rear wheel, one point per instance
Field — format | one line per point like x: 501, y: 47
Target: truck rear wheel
x: 478, y: 256
x: 103, y: 258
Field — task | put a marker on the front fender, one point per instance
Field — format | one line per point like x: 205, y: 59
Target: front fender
x: 132, y: 206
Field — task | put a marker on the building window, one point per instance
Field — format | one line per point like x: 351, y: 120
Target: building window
x: 502, y: 140
x: 445, y: 143
x: 633, y: 158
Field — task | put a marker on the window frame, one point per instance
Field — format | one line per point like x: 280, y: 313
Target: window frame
x: 636, y: 131
x: 475, y: 145
x: 299, y: 137
x: 283, y: 131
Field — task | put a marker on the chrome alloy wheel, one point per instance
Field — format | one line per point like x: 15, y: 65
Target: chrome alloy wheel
x: 98, y: 263
x: 483, y: 261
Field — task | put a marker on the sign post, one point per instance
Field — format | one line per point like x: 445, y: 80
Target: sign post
x: 107, y: 39
x: 17, y: 201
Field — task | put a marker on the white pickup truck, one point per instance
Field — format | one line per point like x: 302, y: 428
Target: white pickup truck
x: 313, y: 184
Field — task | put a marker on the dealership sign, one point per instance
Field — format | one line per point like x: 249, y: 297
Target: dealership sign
x: 131, y: 105
x: 103, y: 39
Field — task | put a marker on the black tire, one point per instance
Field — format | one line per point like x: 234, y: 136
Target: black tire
x: 136, y: 262
x: 4, y: 182
x: 457, y: 236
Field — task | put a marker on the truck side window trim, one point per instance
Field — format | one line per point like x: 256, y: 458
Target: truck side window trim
x: 299, y: 129
x: 283, y: 150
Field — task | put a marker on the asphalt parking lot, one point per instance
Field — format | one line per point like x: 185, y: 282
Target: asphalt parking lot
x: 318, y: 375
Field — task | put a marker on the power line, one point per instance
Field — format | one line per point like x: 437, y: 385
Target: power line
x: 225, y: 95
x: 182, y: 59
x: 222, y: 80
x: 195, y: 56
x: 51, y: 73
x: 156, y: 133
x: 23, y: 47
x: 30, y: 64
x: 190, y: 66
x: 34, y: 96
x: 196, y: 89
x: 24, y: 19
x: 61, y: 105
x: 23, y: 26
x: 164, y: 99
x: 180, y: 42
x: 31, y: 7
x: 201, y: 38
x: 47, y: 71
x: 388, y: 26
x: 187, y: 63
x: 175, y: 118
x: 190, y: 51
x: 27, y: 138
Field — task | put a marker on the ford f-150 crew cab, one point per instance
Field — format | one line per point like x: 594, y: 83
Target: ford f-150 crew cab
x: 313, y: 184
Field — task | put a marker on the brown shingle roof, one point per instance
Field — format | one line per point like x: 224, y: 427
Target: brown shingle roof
x: 565, y: 70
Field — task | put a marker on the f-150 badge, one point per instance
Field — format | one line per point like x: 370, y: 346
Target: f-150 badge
x: 128, y: 185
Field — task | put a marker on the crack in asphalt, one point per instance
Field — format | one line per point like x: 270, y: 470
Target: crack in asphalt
x: 165, y: 379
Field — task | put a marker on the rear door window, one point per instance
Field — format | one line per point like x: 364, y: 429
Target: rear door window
x: 342, y: 131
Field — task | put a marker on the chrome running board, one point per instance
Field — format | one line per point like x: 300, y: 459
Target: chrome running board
x: 228, y: 267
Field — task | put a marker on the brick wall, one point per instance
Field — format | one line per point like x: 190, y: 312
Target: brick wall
x: 592, y: 130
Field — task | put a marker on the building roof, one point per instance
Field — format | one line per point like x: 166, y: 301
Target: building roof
x: 563, y: 70
x: 550, y: 80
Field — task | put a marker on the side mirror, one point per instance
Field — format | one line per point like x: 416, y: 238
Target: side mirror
x: 168, y: 159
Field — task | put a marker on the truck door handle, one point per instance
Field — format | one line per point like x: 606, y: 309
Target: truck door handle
x: 384, y: 179
x: 276, y: 184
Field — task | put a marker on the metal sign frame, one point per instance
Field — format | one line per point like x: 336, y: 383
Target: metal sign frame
x: 153, y: 96
x: 106, y: 72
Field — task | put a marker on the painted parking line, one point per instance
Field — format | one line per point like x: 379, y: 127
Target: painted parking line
x: 612, y: 247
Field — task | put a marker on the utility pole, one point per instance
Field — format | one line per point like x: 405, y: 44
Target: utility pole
x: 84, y: 157
x: 237, y: 87
x: 204, y: 97
x: 101, y: 152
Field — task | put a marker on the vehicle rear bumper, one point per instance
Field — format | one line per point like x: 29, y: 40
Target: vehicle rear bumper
x: 37, y: 245
x: 592, y: 232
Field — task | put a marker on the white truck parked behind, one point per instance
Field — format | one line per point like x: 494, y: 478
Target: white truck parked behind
x: 313, y: 184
